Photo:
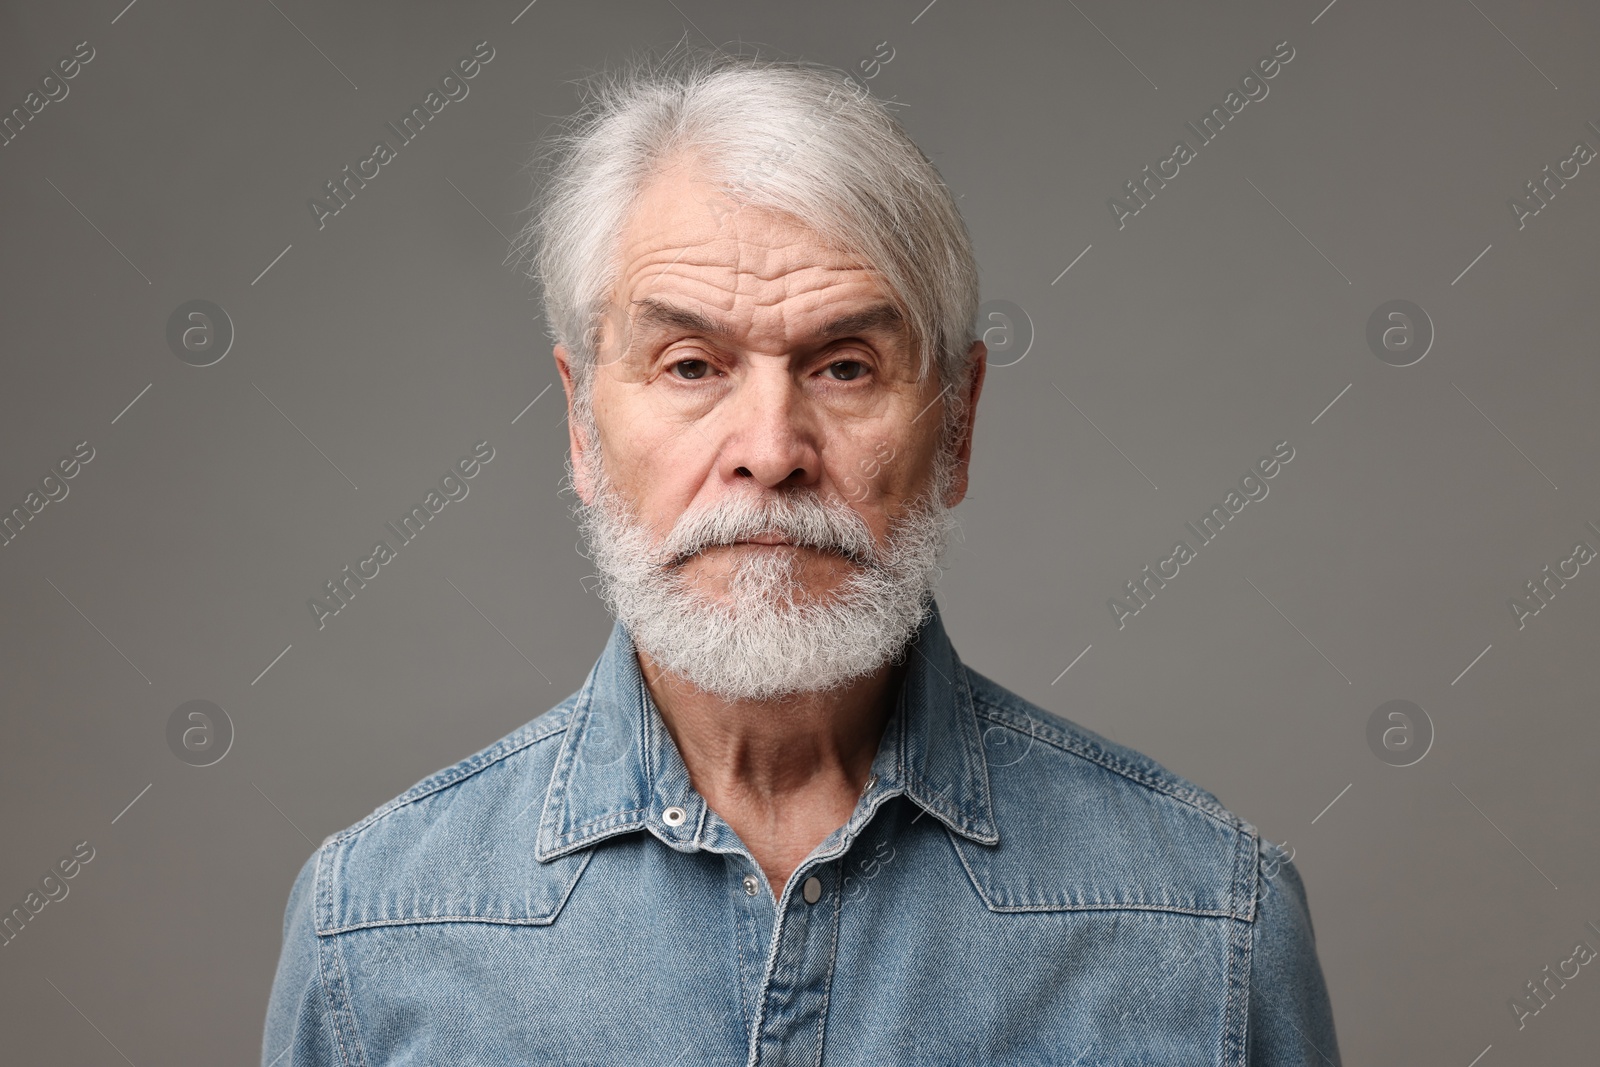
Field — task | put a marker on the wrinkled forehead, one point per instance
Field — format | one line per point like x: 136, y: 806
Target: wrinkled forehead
x: 691, y: 258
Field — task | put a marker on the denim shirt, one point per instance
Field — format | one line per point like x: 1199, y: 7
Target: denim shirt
x: 1011, y: 889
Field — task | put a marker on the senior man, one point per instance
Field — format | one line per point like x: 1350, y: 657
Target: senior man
x: 782, y: 822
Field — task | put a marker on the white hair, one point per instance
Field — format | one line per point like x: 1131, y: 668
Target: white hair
x: 794, y: 137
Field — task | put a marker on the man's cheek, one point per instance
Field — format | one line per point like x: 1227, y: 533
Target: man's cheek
x: 856, y: 490
x: 870, y: 472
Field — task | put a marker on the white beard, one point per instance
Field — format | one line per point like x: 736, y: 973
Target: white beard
x: 771, y: 637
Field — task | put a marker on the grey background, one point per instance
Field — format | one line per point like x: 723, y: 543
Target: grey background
x: 1214, y: 325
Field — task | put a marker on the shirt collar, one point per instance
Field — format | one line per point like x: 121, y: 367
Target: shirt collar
x: 619, y: 769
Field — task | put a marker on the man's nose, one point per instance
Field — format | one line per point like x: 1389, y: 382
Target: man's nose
x: 771, y: 435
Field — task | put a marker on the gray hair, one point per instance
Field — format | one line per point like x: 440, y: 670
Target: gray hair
x: 790, y: 136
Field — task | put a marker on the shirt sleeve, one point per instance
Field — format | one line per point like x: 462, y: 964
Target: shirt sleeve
x: 1291, y: 1019
x: 300, y: 1030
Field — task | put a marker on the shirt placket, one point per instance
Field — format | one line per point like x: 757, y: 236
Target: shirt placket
x: 792, y: 1010
x: 789, y: 1019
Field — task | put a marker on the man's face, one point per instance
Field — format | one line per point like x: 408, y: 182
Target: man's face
x: 744, y: 356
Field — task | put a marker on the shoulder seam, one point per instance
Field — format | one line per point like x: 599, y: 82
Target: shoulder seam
x: 454, y: 775
x: 1083, y: 749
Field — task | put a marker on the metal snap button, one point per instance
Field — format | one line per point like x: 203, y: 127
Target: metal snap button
x: 751, y: 885
x: 812, y: 889
x: 673, y: 816
x: 872, y: 780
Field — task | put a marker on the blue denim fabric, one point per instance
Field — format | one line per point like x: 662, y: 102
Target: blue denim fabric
x: 1069, y: 901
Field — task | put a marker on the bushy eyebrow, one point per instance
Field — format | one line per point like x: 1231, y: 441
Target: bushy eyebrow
x: 656, y: 314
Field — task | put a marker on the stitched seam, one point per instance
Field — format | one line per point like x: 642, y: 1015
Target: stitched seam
x: 1084, y: 748
x: 972, y: 876
x: 610, y: 818
x: 349, y: 1001
x: 1238, y: 1026
x: 333, y: 1008
x: 329, y: 956
x: 322, y: 978
x: 418, y: 920
x: 741, y: 922
x: 770, y: 964
x: 1074, y: 746
x: 1167, y: 909
x: 493, y: 920
x: 833, y: 962
x: 558, y: 790
x: 1236, y: 1030
x: 565, y: 846
x: 1227, y: 1018
x: 1020, y: 908
x: 649, y: 737
x: 1249, y: 846
x: 576, y: 875
x: 454, y: 775
x: 976, y: 754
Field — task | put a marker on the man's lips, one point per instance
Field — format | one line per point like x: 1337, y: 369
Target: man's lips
x: 768, y: 541
x: 762, y: 540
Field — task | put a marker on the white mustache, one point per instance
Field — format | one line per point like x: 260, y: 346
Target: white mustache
x: 801, y: 519
x: 759, y: 640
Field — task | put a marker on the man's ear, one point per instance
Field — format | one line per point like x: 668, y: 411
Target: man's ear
x: 575, y: 441
x: 977, y: 366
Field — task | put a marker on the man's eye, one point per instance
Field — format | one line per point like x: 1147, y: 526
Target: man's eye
x: 691, y: 368
x: 847, y: 370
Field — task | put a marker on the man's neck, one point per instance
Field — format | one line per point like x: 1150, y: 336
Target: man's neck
x: 767, y: 753
x: 783, y: 774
